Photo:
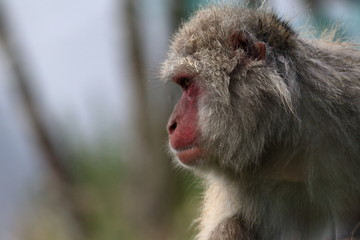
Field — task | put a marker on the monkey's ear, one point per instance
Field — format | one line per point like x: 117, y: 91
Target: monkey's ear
x: 254, y: 50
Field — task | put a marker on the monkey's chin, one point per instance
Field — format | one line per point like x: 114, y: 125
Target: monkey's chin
x: 189, y: 156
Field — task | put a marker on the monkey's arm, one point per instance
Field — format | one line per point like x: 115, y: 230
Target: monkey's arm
x: 232, y: 228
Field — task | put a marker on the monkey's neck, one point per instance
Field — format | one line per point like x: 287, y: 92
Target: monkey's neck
x: 293, y: 171
x: 273, y: 209
x: 283, y: 164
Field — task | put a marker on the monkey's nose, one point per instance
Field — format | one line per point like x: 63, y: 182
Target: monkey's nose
x: 171, y: 127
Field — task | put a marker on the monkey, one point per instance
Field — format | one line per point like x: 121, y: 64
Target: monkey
x: 271, y: 121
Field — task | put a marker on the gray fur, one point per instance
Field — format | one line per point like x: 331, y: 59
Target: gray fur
x: 296, y: 110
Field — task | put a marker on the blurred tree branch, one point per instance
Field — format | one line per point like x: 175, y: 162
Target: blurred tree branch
x: 178, y: 12
x: 60, y: 174
x: 28, y: 100
x: 151, y: 181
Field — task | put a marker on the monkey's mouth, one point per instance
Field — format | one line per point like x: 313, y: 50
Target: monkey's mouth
x: 189, y: 155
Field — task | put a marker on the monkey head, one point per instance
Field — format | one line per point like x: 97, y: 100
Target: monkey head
x: 234, y: 101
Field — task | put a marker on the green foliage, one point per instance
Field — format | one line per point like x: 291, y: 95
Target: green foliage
x: 99, y: 185
x: 97, y: 189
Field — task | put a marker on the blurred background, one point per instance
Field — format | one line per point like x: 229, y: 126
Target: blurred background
x: 83, y: 115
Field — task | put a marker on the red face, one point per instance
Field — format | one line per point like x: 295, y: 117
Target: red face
x: 182, y: 126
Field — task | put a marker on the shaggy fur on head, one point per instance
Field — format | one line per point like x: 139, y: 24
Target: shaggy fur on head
x: 282, y: 133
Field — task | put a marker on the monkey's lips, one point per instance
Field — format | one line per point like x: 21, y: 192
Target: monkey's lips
x: 189, y: 155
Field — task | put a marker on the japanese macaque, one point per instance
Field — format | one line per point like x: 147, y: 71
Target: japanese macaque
x: 271, y: 121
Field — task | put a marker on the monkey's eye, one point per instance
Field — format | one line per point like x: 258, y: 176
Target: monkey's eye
x: 183, y: 81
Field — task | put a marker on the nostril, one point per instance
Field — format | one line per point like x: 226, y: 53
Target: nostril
x: 172, y: 127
